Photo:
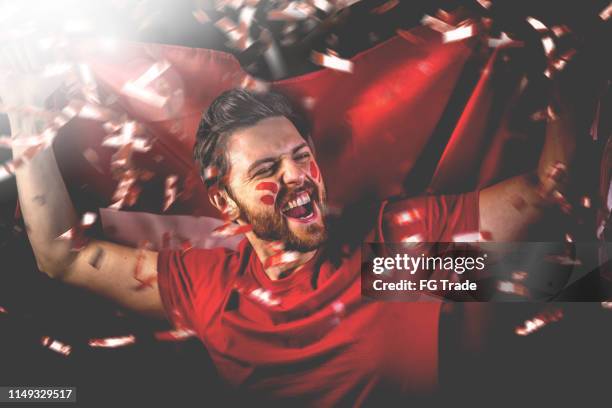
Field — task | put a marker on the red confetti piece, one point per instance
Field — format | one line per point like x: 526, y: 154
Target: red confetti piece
x: 407, y: 217
x: 416, y: 238
x: 436, y: 24
x: 408, y: 36
x: 332, y: 61
x: 385, y: 7
x: 459, y: 33
x: 200, y: 16
x: 264, y: 297
x: 145, y: 282
x: 112, y: 342
x: 563, y: 260
x: 512, y: 288
x: 76, y: 235
x: 585, y: 201
x: 231, y: 229
x: 519, y: 276
x: 282, y: 259
x: 56, y: 346
x: 126, y: 192
x: 532, y: 325
x: 339, y: 308
x: 471, y: 237
x: 234, y: 34
x: 175, y: 335
x: 3, y: 310
x: 606, y: 13
x: 170, y: 191
x: 140, y: 89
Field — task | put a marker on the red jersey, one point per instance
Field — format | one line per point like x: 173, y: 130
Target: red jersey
x: 311, y: 337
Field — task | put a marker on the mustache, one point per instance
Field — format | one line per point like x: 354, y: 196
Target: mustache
x: 286, y: 195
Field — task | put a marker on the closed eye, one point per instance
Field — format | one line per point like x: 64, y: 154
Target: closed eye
x: 302, y: 156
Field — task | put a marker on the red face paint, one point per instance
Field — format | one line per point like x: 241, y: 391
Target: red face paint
x: 268, y: 186
x: 314, y: 171
x: 267, y: 199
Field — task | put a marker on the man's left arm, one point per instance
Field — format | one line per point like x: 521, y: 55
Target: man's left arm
x: 509, y: 208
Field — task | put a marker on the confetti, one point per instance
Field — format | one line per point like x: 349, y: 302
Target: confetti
x: 170, y: 191
x: 144, y: 95
x: 407, y: 217
x: 547, y: 42
x: 92, y: 157
x: 458, y: 34
x: 3, y: 310
x: 385, y: 7
x: 332, y: 62
x: 235, y: 35
x: 231, y: 229
x: 56, y: 346
x: 282, y: 259
x: 200, y: 16
x: 607, y: 305
x: 504, y: 41
x: 471, y: 237
x: 435, y: 24
x: 606, y: 13
x: 126, y: 192
x: 264, y: 297
x: 112, y: 342
x: 519, y: 276
x: 512, y: 288
x: 175, y: 335
x: 536, y: 323
x: 563, y: 260
x: 416, y: 238
x: 137, y: 274
x: 323, y: 5
x: 338, y: 307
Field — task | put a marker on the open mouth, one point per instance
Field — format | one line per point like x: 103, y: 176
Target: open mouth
x: 300, y: 208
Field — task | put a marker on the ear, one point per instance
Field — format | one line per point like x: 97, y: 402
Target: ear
x: 224, y: 203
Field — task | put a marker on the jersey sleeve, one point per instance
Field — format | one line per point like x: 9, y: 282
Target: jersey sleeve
x: 441, y: 218
x: 193, y: 284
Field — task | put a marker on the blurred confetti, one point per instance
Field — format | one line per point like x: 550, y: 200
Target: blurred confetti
x: 112, y: 342
x: 539, y: 321
x: 56, y: 346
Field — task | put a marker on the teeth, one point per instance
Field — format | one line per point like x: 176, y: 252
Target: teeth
x: 302, y: 199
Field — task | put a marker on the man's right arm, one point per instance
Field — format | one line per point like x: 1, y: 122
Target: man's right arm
x: 102, y: 267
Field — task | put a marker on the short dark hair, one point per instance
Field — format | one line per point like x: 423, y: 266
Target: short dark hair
x: 233, y: 110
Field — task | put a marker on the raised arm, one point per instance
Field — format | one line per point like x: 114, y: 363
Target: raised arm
x: 509, y: 208
x: 47, y: 209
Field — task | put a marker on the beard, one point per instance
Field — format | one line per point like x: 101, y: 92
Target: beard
x: 273, y: 225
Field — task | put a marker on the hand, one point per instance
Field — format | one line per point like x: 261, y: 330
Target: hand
x: 29, y: 75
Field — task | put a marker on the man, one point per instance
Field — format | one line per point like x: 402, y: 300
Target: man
x: 289, y: 331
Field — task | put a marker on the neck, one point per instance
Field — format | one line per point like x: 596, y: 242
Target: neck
x: 265, y: 250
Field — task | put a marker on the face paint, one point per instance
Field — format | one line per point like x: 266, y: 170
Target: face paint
x: 267, y: 185
x: 314, y: 171
x: 267, y: 199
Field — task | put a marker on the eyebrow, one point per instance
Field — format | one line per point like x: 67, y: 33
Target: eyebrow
x: 273, y: 159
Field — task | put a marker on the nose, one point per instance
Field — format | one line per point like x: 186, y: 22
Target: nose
x: 292, y: 174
